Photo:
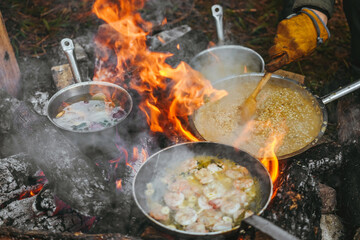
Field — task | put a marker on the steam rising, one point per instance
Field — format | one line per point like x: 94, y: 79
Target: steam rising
x: 221, y: 62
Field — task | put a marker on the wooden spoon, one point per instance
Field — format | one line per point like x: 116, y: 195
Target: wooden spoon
x: 248, y: 107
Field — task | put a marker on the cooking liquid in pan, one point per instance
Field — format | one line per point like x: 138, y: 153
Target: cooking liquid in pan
x: 281, y: 111
x: 203, y: 194
x: 87, y: 112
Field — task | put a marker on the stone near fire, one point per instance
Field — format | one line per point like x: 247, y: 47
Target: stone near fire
x: 62, y: 76
x: 331, y: 227
x: 328, y: 198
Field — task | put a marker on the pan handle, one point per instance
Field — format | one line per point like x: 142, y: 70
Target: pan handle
x: 217, y: 13
x: 269, y: 228
x: 341, y: 92
x: 67, y: 46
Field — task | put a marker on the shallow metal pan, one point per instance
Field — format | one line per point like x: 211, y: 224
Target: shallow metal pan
x: 170, y: 157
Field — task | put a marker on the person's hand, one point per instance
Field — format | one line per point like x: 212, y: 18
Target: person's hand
x: 297, y: 37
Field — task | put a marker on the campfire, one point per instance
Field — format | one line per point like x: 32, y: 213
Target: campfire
x: 60, y: 184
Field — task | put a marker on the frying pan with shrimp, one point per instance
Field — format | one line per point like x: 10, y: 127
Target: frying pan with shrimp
x: 152, y: 176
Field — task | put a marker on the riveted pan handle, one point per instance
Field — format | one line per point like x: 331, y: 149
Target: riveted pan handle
x: 217, y: 13
x: 67, y: 46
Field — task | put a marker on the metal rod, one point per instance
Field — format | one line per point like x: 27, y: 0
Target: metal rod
x: 217, y: 13
x: 341, y: 92
x: 269, y: 228
x: 68, y: 47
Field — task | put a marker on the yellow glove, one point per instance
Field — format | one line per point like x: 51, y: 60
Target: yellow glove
x: 296, y: 38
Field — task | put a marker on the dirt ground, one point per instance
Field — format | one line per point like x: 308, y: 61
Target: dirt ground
x: 36, y: 26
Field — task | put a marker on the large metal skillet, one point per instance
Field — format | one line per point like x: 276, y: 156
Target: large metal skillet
x: 155, y: 167
x: 234, y: 82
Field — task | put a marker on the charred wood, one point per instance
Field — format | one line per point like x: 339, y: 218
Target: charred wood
x: 153, y: 233
x: 18, y: 213
x: 23, y: 214
x: 326, y: 158
x: 75, y: 178
x: 7, y: 233
x: 7, y: 198
x: 45, y: 202
x: 16, y: 178
x: 296, y: 207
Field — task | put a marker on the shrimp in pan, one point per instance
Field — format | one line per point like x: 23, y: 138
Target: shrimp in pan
x: 174, y: 199
x: 209, y: 217
x: 186, y: 216
x: 204, y: 175
x: 196, y: 227
x: 222, y: 225
x: 214, y: 190
x: 204, y: 194
x: 160, y: 212
x: 243, y: 183
x: 229, y: 207
x: 188, y: 165
x: 203, y: 203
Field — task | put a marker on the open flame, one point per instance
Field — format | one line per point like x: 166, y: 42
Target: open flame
x: 268, y: 156
x: 169, y: 95
x: 119, y: 184
x: 270, y: 160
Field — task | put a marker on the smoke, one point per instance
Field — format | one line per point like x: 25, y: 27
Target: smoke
x: 225, y: 61
x: 154, y: 171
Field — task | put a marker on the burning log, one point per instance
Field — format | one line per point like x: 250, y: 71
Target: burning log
x: 17, y: 213
x: 16, y: 177
x: 325, y: 158
x: 23, y: 214
x: 296, y: 207
x: 76, y: 180
x: 15, y: 171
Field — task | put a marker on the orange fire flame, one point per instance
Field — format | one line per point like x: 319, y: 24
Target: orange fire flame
x: 160, y: 39
x: 118, y: 184
x: 169, y: 94
x: 164, y: 22
x: 31, y: 192
x: 270, y: 160
x: 124, y: 158
x: 266, y: 154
